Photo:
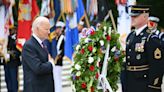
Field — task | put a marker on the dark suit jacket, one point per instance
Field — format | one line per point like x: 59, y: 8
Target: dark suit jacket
x: 37, y: 70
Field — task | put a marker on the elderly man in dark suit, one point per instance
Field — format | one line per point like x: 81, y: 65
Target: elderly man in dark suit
x: 37, y: 66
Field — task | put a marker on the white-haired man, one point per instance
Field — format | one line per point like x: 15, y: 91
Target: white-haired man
x: 38, y: 76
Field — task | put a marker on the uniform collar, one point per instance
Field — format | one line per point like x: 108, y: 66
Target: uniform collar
x: 138, y: 31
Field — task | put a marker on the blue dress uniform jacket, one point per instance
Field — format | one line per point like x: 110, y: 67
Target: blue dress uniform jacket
x: 156, y: 63
x: 38, y: 76
x: 136, y: 62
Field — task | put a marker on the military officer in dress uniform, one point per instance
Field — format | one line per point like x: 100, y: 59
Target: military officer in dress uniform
x: 142, y: 50
x: 155, y: 57
x: 11, y: 66
x: 155, y: 72
x: 159, y: 71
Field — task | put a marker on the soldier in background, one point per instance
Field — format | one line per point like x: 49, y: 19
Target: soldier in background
x: 60, y: 28
x: 153, y: 24
x: 156, y: 64
x: 11, y: 66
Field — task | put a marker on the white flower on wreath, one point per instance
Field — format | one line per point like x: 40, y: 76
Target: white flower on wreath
x: 78, y: 73
x: 77, y: 47
x: 101, y: 42
x: 90, y: 60
x: 113, y: 49
x: 77, y: 67
x: 87, y: 40
x: 105, y: 28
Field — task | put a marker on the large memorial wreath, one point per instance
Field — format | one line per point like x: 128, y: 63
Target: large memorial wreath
x: 89, y: 57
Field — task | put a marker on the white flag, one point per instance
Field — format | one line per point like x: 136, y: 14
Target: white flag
x: 3, y: 32
x: 123, y: 25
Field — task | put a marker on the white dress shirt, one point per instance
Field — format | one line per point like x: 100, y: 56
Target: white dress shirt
x: 138, y: 31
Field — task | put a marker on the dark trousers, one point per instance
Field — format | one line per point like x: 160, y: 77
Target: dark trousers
x: 11, y: 78
x: 123, y: 77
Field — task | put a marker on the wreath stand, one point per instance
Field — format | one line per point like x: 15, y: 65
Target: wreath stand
x: 103, y: 82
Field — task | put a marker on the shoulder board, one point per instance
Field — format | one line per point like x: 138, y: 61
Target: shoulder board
x: 161, y: 35
x: 152, y: 35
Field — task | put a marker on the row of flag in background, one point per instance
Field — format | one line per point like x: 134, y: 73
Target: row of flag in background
x: 21, y: 13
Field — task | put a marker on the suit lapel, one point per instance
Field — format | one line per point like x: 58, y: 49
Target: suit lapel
x: 38, y: 46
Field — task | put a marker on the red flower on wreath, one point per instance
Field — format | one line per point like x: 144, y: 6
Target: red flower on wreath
x: 90, y: 48
x: 97, y: 75
x: 82, y: 51
x: 83, y: 85
x: 77, y: 77
x: 108, y: 38
x: 92, y: 89
x: 92, y: 32
x: 92, y: 68
x: 116, y: 59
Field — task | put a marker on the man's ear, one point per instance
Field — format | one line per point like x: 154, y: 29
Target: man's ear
x: 146, y: 15
x: 37, y: 28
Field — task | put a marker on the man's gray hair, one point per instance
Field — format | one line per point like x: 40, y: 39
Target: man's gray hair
x: 36, y: 23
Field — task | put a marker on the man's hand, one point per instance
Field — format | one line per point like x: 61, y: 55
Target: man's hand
x: 57, y: 57
x: 51, y: 60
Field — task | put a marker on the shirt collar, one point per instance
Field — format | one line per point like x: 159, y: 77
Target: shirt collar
x: 138, y: 31
x: 37, y: 38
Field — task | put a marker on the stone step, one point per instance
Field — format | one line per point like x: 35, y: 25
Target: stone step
x: 66, y: 73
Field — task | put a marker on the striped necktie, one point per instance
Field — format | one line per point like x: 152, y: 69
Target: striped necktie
x: 44, y: 47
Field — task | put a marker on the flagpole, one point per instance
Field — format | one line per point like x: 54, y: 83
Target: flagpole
x: 63, y: 17
x: 86, y: 19
x: 112, y: 19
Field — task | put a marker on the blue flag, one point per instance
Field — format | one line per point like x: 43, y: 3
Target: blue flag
x: 71, y: 32
x: 80, y: 10
x: 57, y: 9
